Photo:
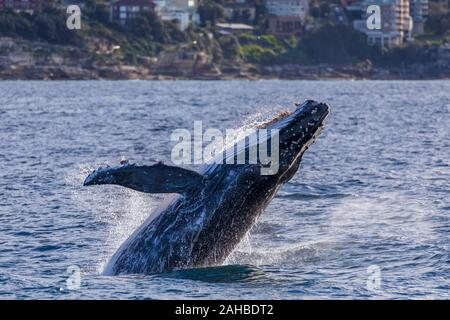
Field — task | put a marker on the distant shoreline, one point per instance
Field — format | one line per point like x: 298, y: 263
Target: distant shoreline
x: 30, y: 60
x: 222, y: 79
x: 68, y: 73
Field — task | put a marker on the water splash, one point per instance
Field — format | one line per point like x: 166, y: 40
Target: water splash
x: 292, y: 255
x: 121, y: 210
x: 244, y: 128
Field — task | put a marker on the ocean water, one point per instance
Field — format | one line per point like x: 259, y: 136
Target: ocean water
x: 366, y: 217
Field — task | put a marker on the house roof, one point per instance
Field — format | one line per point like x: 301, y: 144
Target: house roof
x: 234, y: 26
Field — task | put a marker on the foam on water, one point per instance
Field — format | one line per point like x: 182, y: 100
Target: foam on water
x: 389, y: 216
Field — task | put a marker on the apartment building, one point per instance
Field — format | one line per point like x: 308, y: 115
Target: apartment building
x: 286, y: 17
x: 125, y: 10
x: 396, y: 22
x: 182, y: 12
x: 286, y: 8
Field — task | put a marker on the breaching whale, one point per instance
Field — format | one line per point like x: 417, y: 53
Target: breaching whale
x: 214, y: 208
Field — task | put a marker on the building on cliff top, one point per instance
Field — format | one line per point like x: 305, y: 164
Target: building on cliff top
x: 286, y: 17
x: 396, y: 22
x: 125, y: 10
x: 182, y: 12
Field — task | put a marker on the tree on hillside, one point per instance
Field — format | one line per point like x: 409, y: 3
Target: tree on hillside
x: 335, y: 44
x: 438, y: 21
x: 97, y: 11
x: 211, y: 12
x: 261, y: 14
x: 230, y: 47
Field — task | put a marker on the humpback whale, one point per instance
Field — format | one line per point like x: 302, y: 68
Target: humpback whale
x: 213, y: 209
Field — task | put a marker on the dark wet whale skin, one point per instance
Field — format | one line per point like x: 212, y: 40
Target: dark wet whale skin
x: 203, y: 228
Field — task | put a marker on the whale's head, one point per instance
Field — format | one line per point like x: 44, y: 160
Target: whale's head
x: 297, y: 130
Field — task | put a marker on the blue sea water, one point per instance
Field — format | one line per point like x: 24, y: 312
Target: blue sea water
x: 366, y: 217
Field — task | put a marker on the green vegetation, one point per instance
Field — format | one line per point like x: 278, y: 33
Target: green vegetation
x: 438, y: 22
x: 260, y: 49
x: 328, y: 44
x: 211, y: 12
x: 336, y: 44
x: 49, y: 26
x: 230, y: 47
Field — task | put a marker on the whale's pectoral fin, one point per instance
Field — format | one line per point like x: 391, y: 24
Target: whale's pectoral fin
x: 158, y: 178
